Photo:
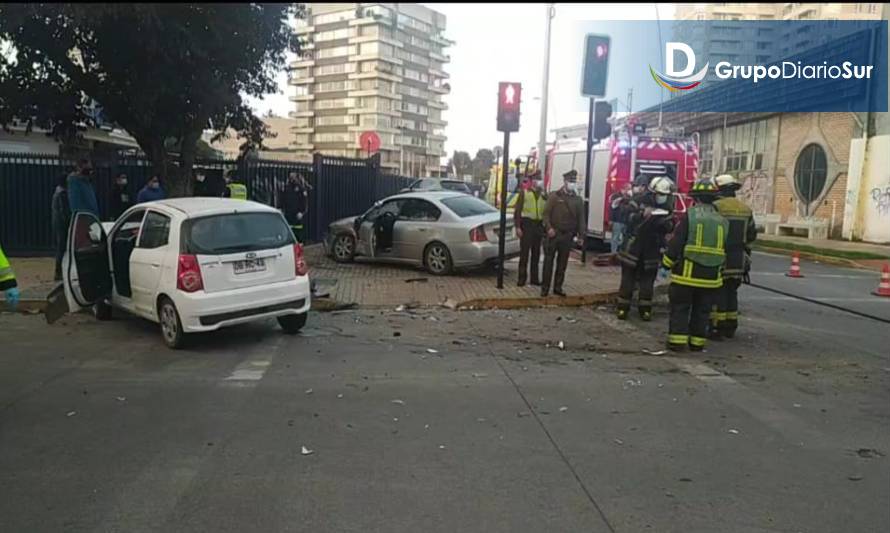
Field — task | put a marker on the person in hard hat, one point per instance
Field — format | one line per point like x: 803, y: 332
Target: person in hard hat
x: 564, y: 224
x: 528, y: 217
x: 742, y: 232
x: 8, y: 284
x: 695, y: 256
x: 648, y: 223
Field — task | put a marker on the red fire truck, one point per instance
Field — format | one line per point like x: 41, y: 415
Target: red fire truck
x: 616, y: 161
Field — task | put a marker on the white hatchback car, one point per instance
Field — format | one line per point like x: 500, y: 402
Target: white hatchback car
x: 189, y: 264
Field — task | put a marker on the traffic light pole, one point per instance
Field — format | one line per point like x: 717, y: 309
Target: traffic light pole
x: 587, y: 182
x: 502, y: 231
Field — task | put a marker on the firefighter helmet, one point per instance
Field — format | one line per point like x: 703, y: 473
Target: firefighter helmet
x: 661, y: 185
x: 727, y: 182
x: 704, y: 189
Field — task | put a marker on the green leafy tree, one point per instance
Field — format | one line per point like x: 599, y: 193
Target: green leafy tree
x: 461, y: 163
x: 482, y: 164
x: 159, y: 71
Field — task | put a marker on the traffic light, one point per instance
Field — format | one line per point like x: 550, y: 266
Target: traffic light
x: 509, y: 96
x: 601, y: 127
x: 596, y: 66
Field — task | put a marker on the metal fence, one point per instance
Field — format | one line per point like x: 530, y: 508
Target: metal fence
x: 341, y: 187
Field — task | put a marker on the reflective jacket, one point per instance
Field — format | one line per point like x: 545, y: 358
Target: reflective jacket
x: 529, y: 205
x: 696, y: 253
x: 7, y: 276
x: 742, y: 232
x: 237, y: 191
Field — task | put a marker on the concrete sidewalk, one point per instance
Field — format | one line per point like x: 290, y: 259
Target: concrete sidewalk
x: 823, y: 249
x: 368, y: 285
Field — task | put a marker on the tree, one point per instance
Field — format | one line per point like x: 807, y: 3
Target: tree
x: 482, y: 164
x: 159, y: 71
x: 461, y: 163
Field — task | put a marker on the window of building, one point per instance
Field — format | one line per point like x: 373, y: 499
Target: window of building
x: 378, y: 12
x: 334, y: 103
x: 376, y: 121
x: 340, y: 85
x: 332, y: 35
x: 336, y: 51
x: 334, y: 137
x: 744, y: 146
x: 340, y: 68
x: 335, y: 120
x: 303, y: 122
x: 706, y: 153
x: 810, y: 172
x: 328, y: 18
x: 302, y: 138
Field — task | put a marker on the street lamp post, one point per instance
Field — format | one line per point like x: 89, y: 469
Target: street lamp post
x: 542, y: 134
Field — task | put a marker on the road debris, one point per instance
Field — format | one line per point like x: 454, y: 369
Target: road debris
x: 618, y: 441
x: 400, y: 308
x: 339, y: 396
x: 563, y: 409
x: 306, y: 451
x: 734, y: 431
x: 432, y: 350
x: 416, y: 280
x: 396, y: 334
x: 308, y: 391
x: 523, y: 414
x: 441, y: 446
x: 868, y: 453
x: 71, y: 413
x: 121, y: 398
x: 561, y: 345
x: 855, y: 477
x: 398, y: 402
x: 654, y: 352
x: 450, y: 304
x: 633, y: 383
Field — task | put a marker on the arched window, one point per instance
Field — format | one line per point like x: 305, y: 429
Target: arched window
x: 810, y: 172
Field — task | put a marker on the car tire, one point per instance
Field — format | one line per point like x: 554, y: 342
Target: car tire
x: 437, y: 259
x: 102, y: 310
x: 292, y: 324
x: 171, y: 325
x: 343, y: 248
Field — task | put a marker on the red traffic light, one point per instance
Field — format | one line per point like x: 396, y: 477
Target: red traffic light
x: 509, y: 98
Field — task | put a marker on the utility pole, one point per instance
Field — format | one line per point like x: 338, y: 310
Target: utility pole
x: 542, y: 135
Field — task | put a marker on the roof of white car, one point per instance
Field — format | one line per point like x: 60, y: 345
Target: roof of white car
x: 201, y: 206
x: 433, y: 195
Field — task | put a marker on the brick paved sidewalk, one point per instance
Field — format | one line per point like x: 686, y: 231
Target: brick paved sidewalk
x: 368, y: 284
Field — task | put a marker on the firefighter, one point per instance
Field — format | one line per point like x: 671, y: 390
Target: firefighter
x: 648, y: 223
x: 695, y: 256
x: 528, y: 218
x: 742, y: 232
x: 564, y: 223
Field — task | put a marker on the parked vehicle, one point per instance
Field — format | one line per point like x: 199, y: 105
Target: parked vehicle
x: 189, y: 264
x: 618, y: 160
x: 440, y: 231
x: 437, y: 184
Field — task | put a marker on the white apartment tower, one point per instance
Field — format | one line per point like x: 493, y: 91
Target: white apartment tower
x: 373, y: 67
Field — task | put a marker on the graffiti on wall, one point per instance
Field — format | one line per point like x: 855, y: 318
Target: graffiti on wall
x: 756, y: 191
x: 881, y: 200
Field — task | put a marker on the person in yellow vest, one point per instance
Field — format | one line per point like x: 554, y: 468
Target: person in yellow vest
x: 742, y: 232
x: 695, y: 256
x: 234, y: 189
x: 528, y: 217
x: 8, y: 284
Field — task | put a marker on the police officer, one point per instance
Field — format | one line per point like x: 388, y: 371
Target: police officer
x: 564, y: 224
x: 742, y: 232
x: 8, y: 284
x: 235, y: 189
x: 528, y: 217
x: 695, y: 257
x: 648, y: 222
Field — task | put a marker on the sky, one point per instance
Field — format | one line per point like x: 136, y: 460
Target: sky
x: 505, y: 42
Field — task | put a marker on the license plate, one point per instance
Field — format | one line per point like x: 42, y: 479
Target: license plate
x: 249, y: 265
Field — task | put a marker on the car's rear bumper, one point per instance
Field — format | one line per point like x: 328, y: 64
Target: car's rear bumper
x: 479, y: 253
x: 210, y: 311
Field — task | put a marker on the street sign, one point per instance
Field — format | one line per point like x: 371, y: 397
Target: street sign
x: 369, y: 141
x: 596, y: 65
x: 509, y: 97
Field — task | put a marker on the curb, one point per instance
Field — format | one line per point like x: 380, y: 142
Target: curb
x: 826, y: 259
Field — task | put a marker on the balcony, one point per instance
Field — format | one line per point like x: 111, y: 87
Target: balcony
x: 303, y: 30
x: 303, y: 62
x: 302, y: 98
x: 436, y: 121
x: 376, y: 56
x: 440, y: 89
x: 374, y: 92
x: 301, y: 81
x: 302, y: 113
x: 302, y: 129
x: 439, y: 57
x: 437, y: 105
x: 438, y: 38
x: 439, y: 73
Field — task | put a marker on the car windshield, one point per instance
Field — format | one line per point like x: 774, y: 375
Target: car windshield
x: 236, y: 232
x: 468, y: 206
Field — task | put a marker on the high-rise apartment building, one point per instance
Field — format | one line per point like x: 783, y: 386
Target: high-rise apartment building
x: 373, y: 67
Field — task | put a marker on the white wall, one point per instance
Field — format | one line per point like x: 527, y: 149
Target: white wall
x: 867, y: 209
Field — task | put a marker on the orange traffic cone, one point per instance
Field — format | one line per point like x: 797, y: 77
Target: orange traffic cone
x: 795, y: 266
x: 884, y: 285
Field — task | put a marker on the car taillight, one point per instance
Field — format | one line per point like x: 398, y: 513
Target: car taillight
x: 477, y: 234
x: 188, y: 274
x: 300, y: 266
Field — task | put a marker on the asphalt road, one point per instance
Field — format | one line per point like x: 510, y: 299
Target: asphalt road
x: 785, y: 428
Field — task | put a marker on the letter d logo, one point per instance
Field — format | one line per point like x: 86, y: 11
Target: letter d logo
x: 681, y: 80
x: 670, y: 49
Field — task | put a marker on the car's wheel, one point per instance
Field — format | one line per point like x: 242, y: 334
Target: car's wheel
x: 437, y: 259
x: 292, y: 324
x: 102, y: 310
x: 343, y: 248
x: 171, y: 325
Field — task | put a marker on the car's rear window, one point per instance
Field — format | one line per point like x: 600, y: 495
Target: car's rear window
x: 468, y: 206
x: 235, y: 232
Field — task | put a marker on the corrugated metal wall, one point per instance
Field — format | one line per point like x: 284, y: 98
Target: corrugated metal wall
x: 342, y: 187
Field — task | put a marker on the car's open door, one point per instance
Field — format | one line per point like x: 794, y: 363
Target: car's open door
x: 86, y: 273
